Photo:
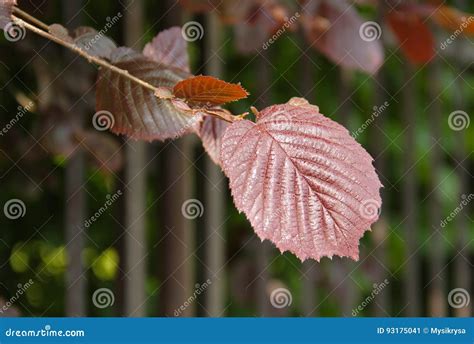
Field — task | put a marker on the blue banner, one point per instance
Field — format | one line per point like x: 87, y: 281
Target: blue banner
x: 237, y: 330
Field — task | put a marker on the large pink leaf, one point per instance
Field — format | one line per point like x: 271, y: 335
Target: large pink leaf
x: 135, y: 111
x: 6, y: 9
x: 303, y: 182
x: 169, y: 48
x: 343, y: 38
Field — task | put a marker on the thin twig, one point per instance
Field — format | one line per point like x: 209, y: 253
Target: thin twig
x: 98, y: 61
x: 77, y: 50
x: 221, y: 114
x: 30, y: 18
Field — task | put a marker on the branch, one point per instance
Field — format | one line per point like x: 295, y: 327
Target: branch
x: 41, y: 30
x: 30, y: 18
x: 77, y: 50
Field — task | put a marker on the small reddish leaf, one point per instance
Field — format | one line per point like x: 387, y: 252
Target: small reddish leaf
x: 6, y: 9
x: 136, y: 111
x: 334, y: 29
x: 206, y: 90
x: 415, y: 38
x: 304, y: 183
x: 454, y: 20
x: 211, y: 130
x: 169, y: 48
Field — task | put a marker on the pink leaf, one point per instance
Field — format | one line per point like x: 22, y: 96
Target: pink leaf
x: 211, y: 131
x: 262, y: 21
x: 169, y: 48
x: 334, y: 30
x: 304, y: 183
x: 136, y: 111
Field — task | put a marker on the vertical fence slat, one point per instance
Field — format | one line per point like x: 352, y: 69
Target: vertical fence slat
x: 75, y: 199
x: 437, y: 283
x: 178, y: 243
x: 462, y: 269
x: 377, y: 147
x: 410, y: 197
x: 135, y: 193
x: 215, y: 188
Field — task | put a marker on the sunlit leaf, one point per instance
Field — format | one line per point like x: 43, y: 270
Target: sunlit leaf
x: 304, y: 183
x: 135, y: 110
x: 207, y: 90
